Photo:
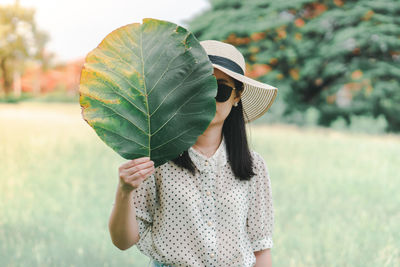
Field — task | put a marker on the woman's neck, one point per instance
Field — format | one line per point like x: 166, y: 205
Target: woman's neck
x: 208, y: 143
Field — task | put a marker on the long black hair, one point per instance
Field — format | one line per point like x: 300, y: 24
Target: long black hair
x: 234, y: 131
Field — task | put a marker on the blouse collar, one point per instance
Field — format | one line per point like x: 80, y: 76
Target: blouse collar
x: 215, y: 162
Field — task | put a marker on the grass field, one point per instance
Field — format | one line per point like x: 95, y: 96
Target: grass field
x: 336, y: 195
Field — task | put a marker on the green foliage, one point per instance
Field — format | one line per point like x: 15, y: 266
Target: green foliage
x: 59, y: 95
x: 148, y: 90
x: 340, y: 57
x: 13, y: 99
x: 20, y: 41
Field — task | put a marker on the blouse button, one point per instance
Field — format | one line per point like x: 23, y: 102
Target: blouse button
x: 209, y: 223
x: 208, y: 193
x: 212, y: 255
x: 206, y: 162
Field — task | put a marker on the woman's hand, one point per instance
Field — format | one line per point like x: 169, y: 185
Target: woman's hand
x: 132, y: 173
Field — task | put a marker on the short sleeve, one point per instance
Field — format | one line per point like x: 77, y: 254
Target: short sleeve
x: 260, y: 216
x: 144, y: 198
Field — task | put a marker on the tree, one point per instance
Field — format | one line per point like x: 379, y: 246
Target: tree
x: 20, y: 41
x: 341, y: 57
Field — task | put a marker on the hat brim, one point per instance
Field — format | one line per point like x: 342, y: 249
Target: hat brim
x: 257, y: 97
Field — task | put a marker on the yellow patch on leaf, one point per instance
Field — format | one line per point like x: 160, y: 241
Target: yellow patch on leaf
x: 103, y: 100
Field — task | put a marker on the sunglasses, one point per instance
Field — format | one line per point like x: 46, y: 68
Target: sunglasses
x: 224, y: 92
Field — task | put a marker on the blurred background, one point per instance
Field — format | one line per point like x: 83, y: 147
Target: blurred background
x: 331, y: 139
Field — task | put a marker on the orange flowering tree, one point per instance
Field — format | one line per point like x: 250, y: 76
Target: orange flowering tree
x: 341, y: 57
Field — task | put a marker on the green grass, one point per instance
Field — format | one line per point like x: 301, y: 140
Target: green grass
x: 335, y: 194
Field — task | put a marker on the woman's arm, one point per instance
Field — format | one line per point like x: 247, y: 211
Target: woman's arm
x: 122, y: 225
x: 263, y: 258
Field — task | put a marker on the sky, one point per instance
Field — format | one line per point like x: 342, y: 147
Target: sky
x: 78, y: 26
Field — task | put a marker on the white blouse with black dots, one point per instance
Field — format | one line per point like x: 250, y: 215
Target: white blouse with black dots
x: 211, y: 219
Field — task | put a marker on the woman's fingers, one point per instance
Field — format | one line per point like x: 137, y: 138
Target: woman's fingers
x: 132, y: 173
x: 141, y: 166
x: 134, y: 162
x: 141, y: 175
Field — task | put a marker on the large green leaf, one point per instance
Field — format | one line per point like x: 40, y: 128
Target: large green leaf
x: 148, y: 90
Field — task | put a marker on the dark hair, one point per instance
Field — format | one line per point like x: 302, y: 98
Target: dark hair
x: 234, y: 131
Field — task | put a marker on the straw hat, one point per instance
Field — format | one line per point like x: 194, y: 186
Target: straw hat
x: 256, y: 97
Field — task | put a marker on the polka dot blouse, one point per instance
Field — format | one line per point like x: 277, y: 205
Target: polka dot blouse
x: 210, y: 219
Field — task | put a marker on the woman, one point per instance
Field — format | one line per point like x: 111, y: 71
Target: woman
x: 212, y: 205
